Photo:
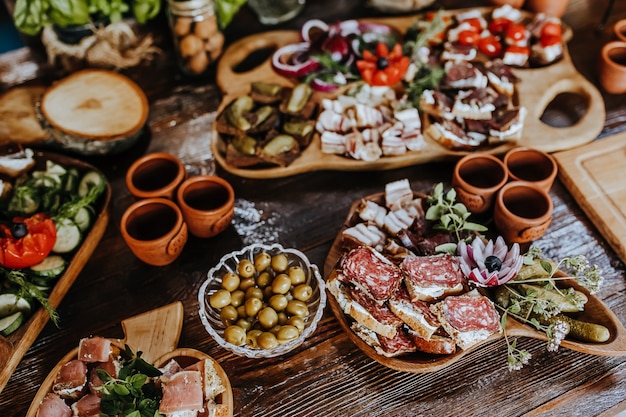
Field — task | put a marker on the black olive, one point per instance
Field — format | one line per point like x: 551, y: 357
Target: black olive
x: 493, y: 263
x: 382, y: 63
x: 18, y: 230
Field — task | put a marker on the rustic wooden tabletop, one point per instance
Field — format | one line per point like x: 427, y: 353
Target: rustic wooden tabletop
x: 328, y: 375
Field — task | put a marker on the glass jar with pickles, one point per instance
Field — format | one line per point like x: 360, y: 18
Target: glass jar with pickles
x: 198, y: 40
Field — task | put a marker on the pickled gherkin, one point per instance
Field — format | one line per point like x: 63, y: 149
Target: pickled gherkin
x: 235, y: 111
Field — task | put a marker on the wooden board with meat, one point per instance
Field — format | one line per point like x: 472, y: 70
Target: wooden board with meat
x: 488, y: 96
x: 414, y: 309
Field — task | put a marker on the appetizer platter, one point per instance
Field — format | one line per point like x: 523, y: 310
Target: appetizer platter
x: 358, y: 249
x: 155, y: 334
x: 37, y: 289
x: 559, y: 75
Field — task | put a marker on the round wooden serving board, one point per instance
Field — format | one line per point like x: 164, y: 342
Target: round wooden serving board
x: 535, y: 91
x: 595, y: 312
x: 156, y: 334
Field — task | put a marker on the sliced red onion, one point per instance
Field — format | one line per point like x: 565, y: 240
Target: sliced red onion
x: 287, y: 67
x: 312, y: 24
x: 323, y: 86
x: 374, y: 27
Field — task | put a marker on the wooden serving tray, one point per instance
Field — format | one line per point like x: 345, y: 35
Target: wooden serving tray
x: 595, y: 312
x: 593, y: 174
x: 536, y: 90
x: 156, y: 334
x: 14, y: 347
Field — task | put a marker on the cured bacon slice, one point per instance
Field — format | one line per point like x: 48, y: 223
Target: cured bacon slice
x: 71, y: 380
x: 430, y: 278
x: 371, y: 272
x: 94, y: 349
x: 183, y: 391
x: 53, y: 406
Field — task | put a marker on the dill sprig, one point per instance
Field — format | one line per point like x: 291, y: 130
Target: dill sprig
x: 27, y: 289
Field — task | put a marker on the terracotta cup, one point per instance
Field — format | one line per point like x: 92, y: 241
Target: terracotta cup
x: 477, y: 178
x: 619, y: 28
x: 550, y: 7
x: 207, y: 203
x: 522, y: 212
x: 155, y: 175
x: 154, y: 230
x: 531, y: 165
x: 612, y: 67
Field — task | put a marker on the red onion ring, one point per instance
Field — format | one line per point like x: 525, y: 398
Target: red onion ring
x: 287, y: 67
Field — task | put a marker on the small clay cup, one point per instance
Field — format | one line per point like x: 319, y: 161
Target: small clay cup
x: 154, y: 230
x: 155, y: 175
x: 522, y: 212
x: 477, y: 178
x: 612, y: 67
x: 619, y: 28
x: 531, y: 165
x: 207, y: 203
x: 555, y: 8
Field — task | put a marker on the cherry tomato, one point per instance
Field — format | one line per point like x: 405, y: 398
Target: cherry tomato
x: 475, y: 23
x: 515, y: 32
x: 551, y: 29
x: 468, y: 37
x: 550, y: 40
x: 498, y: 25
x: 384, y: 68
x: 32, y: 247
x: 490, y: 46
x: 515, y: 49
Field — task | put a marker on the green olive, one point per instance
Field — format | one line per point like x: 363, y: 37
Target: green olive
x: 278, y: 302
x: 253, y: 305
x: 230, y: 281
x: 229, y: 315
x: 241, y: 310
x: 262, y: 260
x: 297, y: 275
x: 302, y: 292
x: 220, y: 298
x: 297, y: 308
x: 244, y: 324
x: 282, y: 318
x: 251, y: 338
x: 236, y: 298
x: 267, y: 317
x: 247, y: 283
x: 267, y: 340
x: 280, y: 262
x: 264, y: 279
x: 267, y: 292
x: 254, y: 292
x: 287, y: 333
x: 274, y: 330
x: 245, y: 268
x: 281, y: 284
x: 235, y: 335
x: 296, y: 321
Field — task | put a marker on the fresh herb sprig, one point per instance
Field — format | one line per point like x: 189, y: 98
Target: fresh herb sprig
x: 133, y: 393
x: 450, y: 216
x: 28, y: 290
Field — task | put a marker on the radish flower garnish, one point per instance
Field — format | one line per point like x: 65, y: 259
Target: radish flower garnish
x: 489, y: 264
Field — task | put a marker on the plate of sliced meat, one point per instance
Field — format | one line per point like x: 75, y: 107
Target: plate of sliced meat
x: 412, y: 309
x: 90, y: 379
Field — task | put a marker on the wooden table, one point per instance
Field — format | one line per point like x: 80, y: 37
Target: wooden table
x: 328, y: 375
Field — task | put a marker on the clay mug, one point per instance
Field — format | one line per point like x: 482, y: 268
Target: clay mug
x: 207, y: 203
x: 531, y: 165
x: 619, y: 28
x: 477, y: 178
x: 154, y: 230
x: 155, y: 175
x: 555, y: 8
x: 612, y: 67
x: 522, y: 212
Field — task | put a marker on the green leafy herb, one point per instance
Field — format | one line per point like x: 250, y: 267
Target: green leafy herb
x: 133, y: 393
x: 226, y: 10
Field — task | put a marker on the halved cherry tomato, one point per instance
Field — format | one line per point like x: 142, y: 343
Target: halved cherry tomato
x: 551, y: 29
x: 31, y: 245
x: 550, y: 40
x: 475, y: 23
x: 468, y: 37
x: 490, y: 46
x: 384, y: 68
x: 515, y: 32
x: 516, y: 49
x: 498, y: 25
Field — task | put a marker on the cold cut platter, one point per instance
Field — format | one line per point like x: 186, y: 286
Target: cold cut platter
x: 25, y: 317
x: 556, y: 78
x: 155, y: 334
x: 344, y: 255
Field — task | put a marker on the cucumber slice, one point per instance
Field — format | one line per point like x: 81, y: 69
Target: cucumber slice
x: 84, y: 217
x: 71, y: 181
x: 68, y: 236
x: 52, y: 168
x: 10, y: 303
x: 51, y: 267
x: 11, y: 323
x: 91, y: 179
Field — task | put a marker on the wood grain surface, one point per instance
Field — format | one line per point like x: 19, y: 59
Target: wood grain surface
x: 328, y: 375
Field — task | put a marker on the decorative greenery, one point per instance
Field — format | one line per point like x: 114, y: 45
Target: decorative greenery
x: 27, y: 289
x: 226, y: 10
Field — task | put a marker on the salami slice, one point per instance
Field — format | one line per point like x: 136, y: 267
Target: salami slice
x: 397, y: 345
x: 429, y: 278
x: 372, y: 272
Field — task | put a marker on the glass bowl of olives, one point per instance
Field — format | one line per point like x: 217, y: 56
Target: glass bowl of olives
x: 262, y: 301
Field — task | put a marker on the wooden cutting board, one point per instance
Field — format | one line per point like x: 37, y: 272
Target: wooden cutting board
x: 594, y: 175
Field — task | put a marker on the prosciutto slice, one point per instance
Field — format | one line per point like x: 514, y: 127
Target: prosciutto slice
x: 183, y: 391
x: 53, y: 406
